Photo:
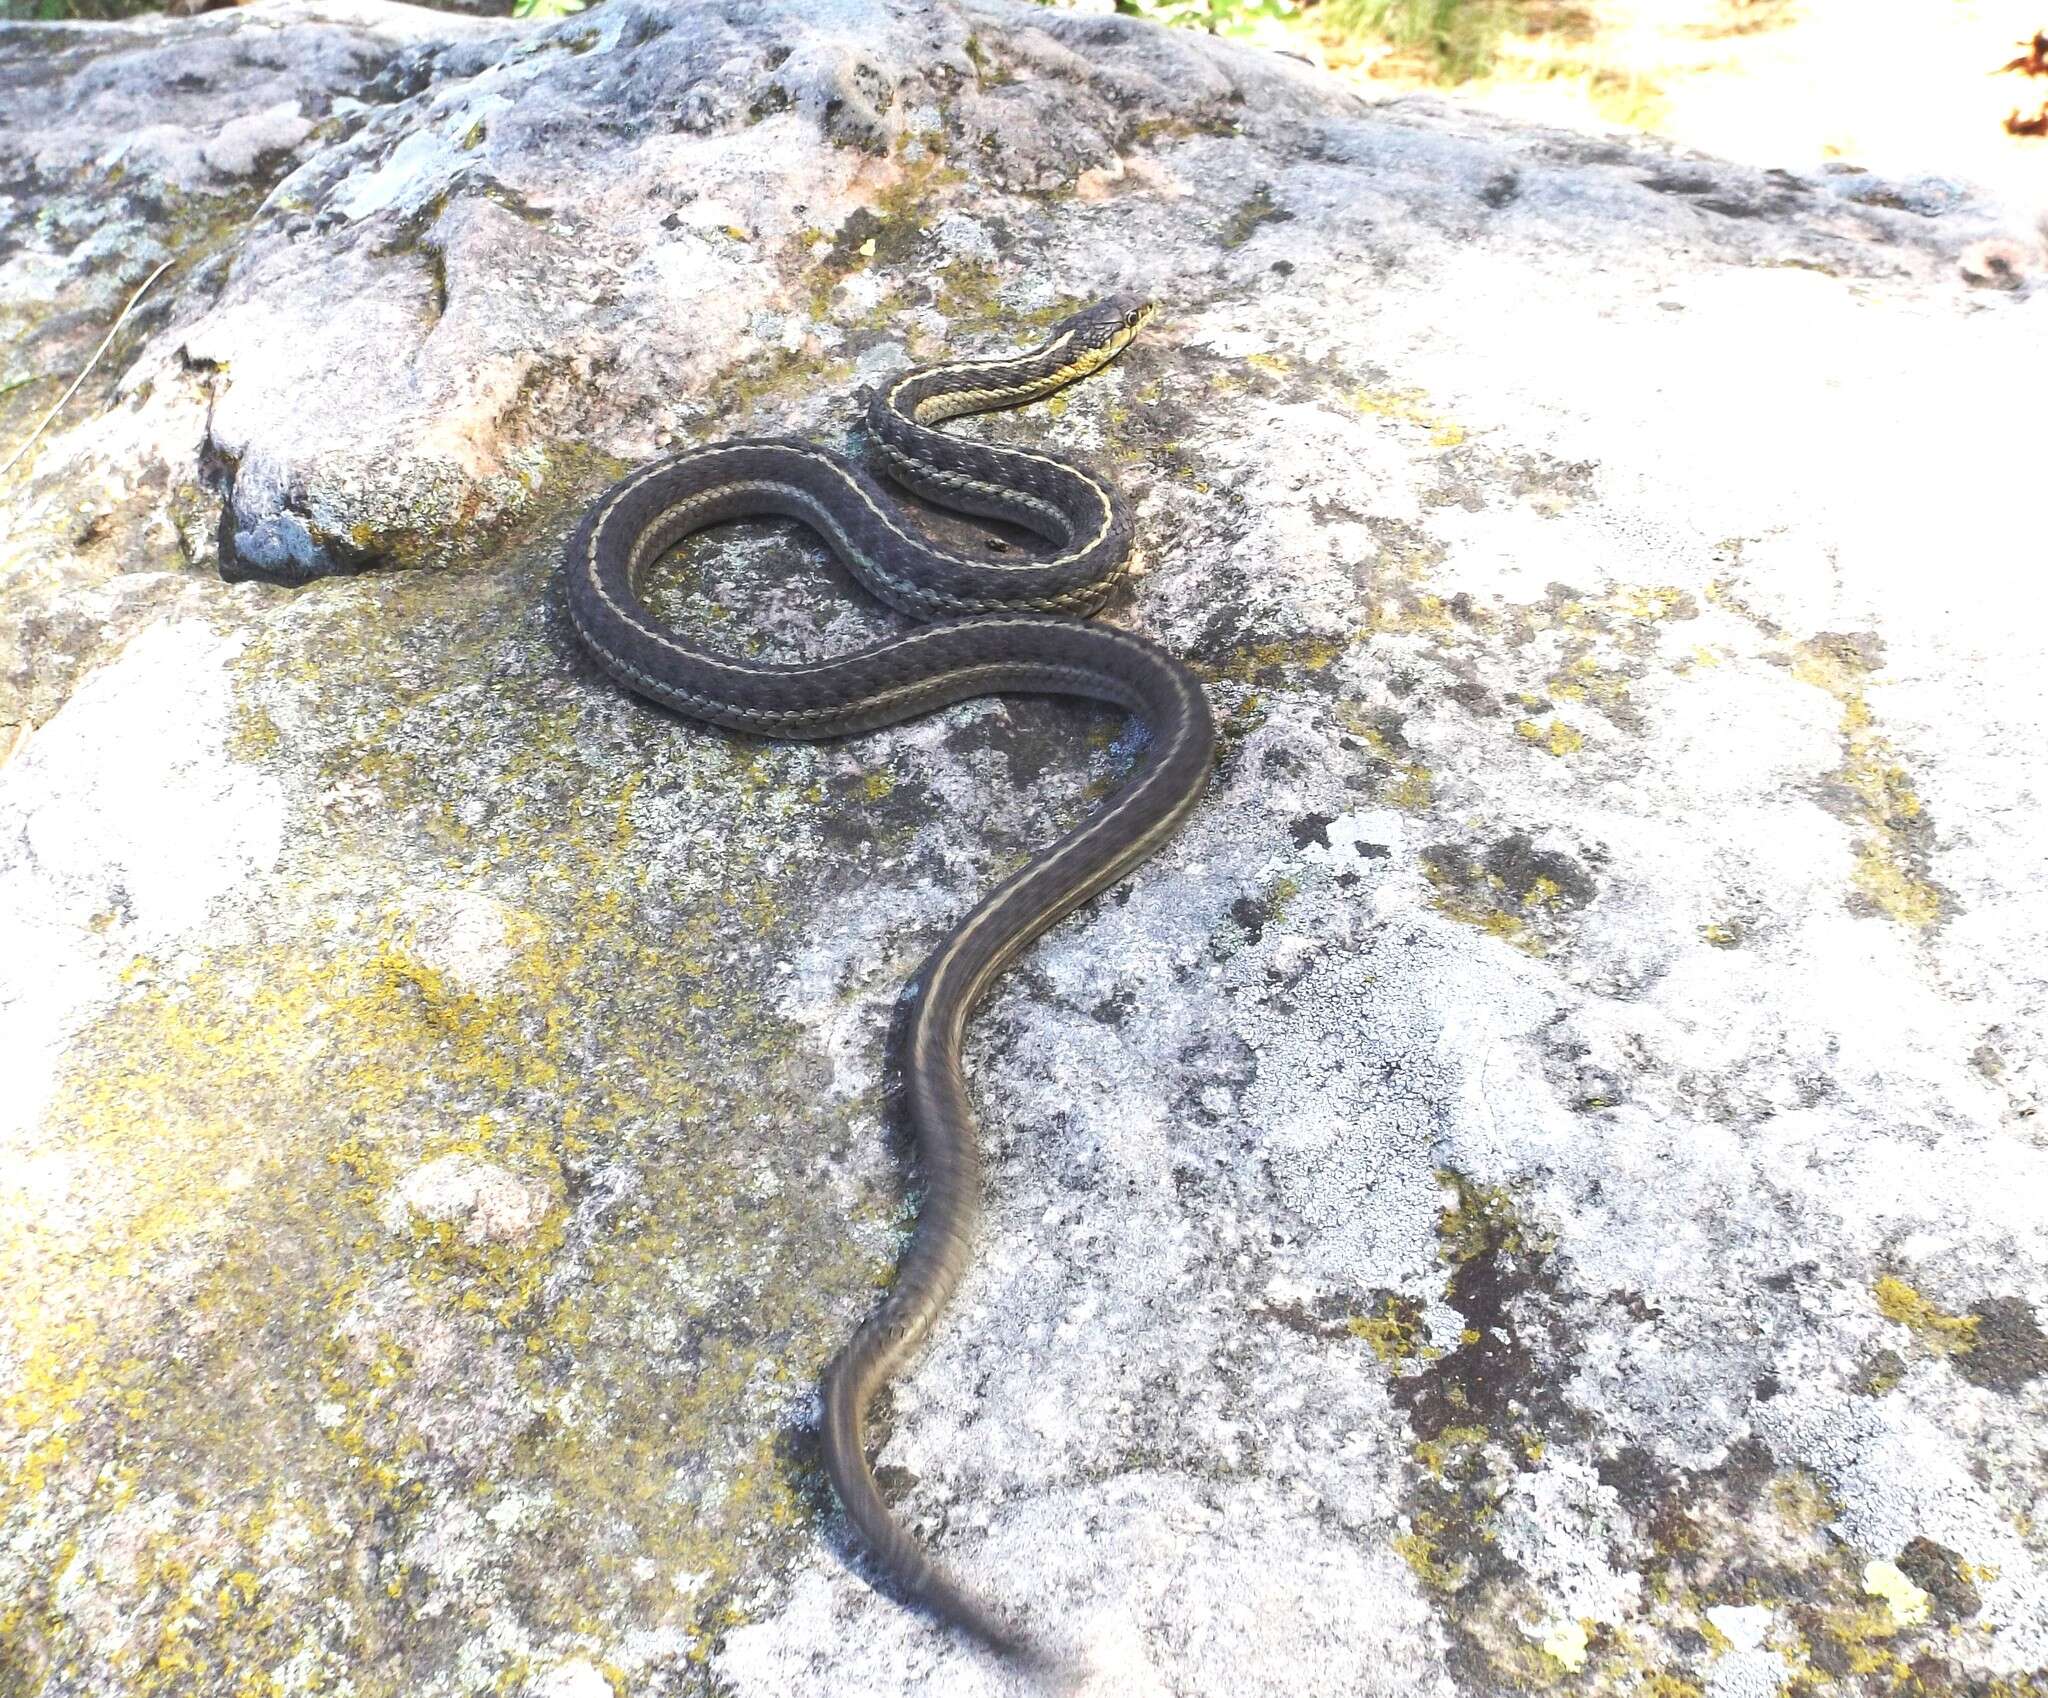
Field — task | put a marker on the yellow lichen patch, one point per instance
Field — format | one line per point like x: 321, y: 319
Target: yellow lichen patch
x: 1556, y: 738
x: 255, y: 736
x: 1454, y: 1448
x: 1910, y: 1606
x: 409, y: 1041
x: 1585, y: 679
x: 1395, y: 1331
x: 1492, y: 922
x: 1408, y: 783
x: 1409, y: 407
x: 1495, y: 924
x: 58, y: 1356
x: 1862, y: 1644
x: 1801, y: 1501
x: 1411, y: 787
x: 1282, y: 892
x: 1890, y: 886
x: 1889, y: 874
x: 1245, y: 716
x: 1268, y: 362
x: 270, y: 1378
x: 1419, y: 1549
x: 1942, y: 1333
x: 1248, y: 660
x: 1481, y: 1220
x: 1517, y: 1662
x: 1637, y: 601
x: 1469, y: 906
x: 769, y: 382
x: 1413, y: 615
x: 1566, y: 1642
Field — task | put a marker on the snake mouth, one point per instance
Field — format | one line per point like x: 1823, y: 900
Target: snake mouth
x: 1093, y: 359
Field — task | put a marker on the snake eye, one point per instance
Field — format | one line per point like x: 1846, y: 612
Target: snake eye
x: 1131, y: 319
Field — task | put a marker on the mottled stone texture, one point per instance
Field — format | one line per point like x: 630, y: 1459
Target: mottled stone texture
x: 1540, y: 1188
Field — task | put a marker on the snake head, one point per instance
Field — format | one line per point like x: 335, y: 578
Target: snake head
x: 1095, y: 335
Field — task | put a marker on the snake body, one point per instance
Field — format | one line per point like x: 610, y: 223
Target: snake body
x: 993, y: 635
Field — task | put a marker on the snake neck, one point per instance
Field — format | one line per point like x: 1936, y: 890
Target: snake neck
x: 930, y: 395
x: 1075, y: 511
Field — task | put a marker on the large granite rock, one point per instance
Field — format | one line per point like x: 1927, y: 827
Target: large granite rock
x: 1540, y: 1187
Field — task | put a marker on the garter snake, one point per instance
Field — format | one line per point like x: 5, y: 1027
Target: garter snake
x: 993, y: 634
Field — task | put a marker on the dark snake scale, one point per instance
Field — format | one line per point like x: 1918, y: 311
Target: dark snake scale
x: 997, y: 631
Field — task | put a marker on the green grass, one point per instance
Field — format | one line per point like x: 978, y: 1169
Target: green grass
x: 1453, y: 40
x: 73, y: 11
x: 1218, y: 17
x: 1458, y: 37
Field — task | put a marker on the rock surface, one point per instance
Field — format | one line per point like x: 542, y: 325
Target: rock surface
x: 1540, y: 1187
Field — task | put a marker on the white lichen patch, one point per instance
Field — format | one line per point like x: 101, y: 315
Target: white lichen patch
x: 487, y: 1204
x: 1747, y: 1674
x: 122, y: 827
x: 1567, y: 1533
x: 463, y: 932
x: 577, y: 1678
x: 1742, y: 1625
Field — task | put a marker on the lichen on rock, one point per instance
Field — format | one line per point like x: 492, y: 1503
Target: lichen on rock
x: 1535, y: 1189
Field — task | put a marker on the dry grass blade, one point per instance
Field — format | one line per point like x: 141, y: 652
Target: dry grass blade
x: 106, y: 342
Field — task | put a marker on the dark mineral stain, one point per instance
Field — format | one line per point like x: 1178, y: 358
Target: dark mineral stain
x: 1506, y: 1377
x: 1494, y: 1377
x: 1252, y: 914
x: 1502, y: 188
x: 1474, y: 698
x: 2008, y: 1349
x: 1115, y: 1009
x: 1680, y: 185
x: 1938, y: 1571
x: 1311, y: 828
x: 1520, y: 866
x: 1730, y: 208
x: 1637, y: 1478
x: 1259, y: 210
